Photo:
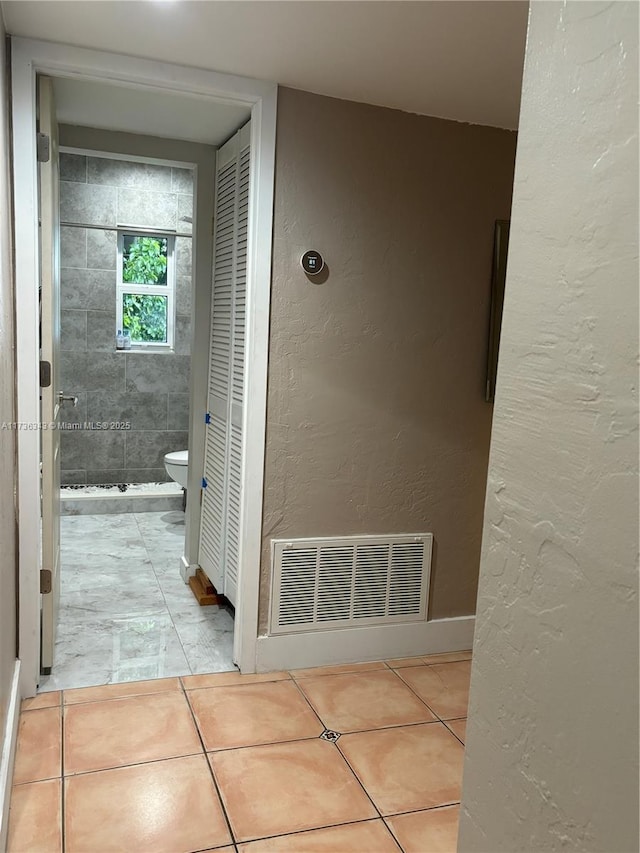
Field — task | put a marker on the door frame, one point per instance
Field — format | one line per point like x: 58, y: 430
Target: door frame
x: 28, y: 58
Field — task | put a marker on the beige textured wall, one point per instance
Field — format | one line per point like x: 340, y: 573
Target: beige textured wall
x: 552, y: 740
x: 7, y: 437
x: 376, y: 414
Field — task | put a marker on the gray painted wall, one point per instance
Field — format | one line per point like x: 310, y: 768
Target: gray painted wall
x: 552, y: 739
x: 376, y: 415
x: 149, y: 390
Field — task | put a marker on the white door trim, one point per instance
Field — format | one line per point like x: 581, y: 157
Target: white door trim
x: 8, y: 739
x: 28, y: 58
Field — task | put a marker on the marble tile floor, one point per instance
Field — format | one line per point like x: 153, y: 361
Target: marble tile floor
x: 365, y: 758
x: 125, y: 612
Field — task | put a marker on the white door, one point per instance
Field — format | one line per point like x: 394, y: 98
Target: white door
x: 50, y: 372
x: 220, y: 523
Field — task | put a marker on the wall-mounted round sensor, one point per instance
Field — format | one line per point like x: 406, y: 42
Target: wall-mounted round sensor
x: 312, y: 262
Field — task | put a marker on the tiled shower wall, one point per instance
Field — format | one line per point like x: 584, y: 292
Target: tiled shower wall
x: 150, y: 390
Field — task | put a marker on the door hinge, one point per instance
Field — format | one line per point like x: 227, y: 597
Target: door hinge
x: 45, y: 581
x: 44, y: 148
x: 207, y: 418
x: 45, y: 374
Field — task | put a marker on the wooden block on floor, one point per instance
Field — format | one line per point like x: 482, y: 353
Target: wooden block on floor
x: 206, y: 584
x: 200, y: 592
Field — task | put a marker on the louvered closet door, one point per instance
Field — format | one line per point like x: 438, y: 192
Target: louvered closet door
x: 220, y: 523
x: 237, y: 370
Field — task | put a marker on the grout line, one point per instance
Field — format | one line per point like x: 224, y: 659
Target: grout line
x: 429, y: 708
x: 379, y: 816
x: 309, y: 673
x: 388, y: 728
x: 260, y: 745
x: 132, y: 764
x: 383, y: 728
x: 234, y: 671
x: 63, y: 803
x: 115, y: 698
x: 375, y: 728
x: 49, y: 708
x: 162, y: 593
x: 312, y: 829
x: 357, y: 778
x: 446, y: 662
x: 362, y: 670
x: 427, y: 809
x: 309, y: 703
x: 340, y: 753
x: 213, y: 776
x: 454, y: 734
x: 392, y: 834
x: 373, y: 803
x: 438, y: 718
x: 35, y: 781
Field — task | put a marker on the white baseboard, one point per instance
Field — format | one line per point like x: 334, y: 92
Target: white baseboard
x: 187, y: 570
x: 9, y: 737
x: 350, y: 645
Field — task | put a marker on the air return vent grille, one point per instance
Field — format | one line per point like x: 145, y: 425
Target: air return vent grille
x: 319, y: 584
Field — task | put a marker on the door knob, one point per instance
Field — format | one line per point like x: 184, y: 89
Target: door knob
x: 67, y: 398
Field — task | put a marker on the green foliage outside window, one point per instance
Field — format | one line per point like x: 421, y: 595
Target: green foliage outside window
x: 145, y: 260
x: 145, y: 315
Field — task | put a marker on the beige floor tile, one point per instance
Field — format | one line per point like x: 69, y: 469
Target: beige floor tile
x: 35, y: 818
x: 98, y: 735
x: 459, y: 728
x: 120, y: 691
x: 42, y: 700
x: 447, y: 657
x: 445, y: 687
x: 288, y: 787
x: 253, y: 714
x: 400, y: 663
x: 166, y: 807
x: 370, y: 836
x: 406, y: 769
x: 225, y: 679
x: 39, y: 749
x: 435, y: 831
x: 339, y: 669
x: 364, y: 700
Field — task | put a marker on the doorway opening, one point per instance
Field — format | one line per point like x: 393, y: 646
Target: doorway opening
x: 125, y: 612
x: 140, y: 262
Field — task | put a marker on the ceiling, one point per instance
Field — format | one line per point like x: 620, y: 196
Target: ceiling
x: 91, y: 104
x: 457, y: 60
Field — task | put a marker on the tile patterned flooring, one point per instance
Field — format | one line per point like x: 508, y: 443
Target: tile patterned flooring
x: 233, y: 762
x: 125, y: 612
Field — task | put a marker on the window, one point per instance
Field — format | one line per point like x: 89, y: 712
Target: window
x: 146, y: 289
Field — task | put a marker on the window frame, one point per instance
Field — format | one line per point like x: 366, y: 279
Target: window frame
x: 168, y: 290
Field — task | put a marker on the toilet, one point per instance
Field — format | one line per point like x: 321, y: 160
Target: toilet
x: 177, y: 466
